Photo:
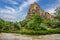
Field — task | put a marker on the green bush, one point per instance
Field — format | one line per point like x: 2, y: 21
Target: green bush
x: 56, y: 25
x: 40, y: 32
x: 34, y: 24
x: 43, y: 26
x: 17, y: 25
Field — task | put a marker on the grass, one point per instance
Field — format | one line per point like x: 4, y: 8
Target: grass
x: 33, y: 32
x: 40, y: 32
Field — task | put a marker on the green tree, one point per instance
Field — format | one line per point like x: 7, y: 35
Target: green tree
x: 56, y: 24
x: 57, y: 13
x: 35, y: 22
x: 1, y: 24
x: 17, y: 25
x: 23, y: 23
x: 43, y: 26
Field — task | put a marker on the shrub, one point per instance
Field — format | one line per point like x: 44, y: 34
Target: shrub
x: 34, y: 24
x: 43, y: 26
x: 40, y: 32
x: 56, y: 25
x: 17, y: 25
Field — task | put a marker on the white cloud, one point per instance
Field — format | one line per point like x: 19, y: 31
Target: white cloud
x: 8, y: 17
x: 52, y: 7
x: 13, y: 2
x: 11, y: 14
x: 8, y: 13
x: 8, y: 10
x: 51, y: 10
x: 10, y: 1
x: 27, y: 3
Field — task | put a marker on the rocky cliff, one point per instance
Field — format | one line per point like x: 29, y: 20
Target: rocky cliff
x: 35, y: 9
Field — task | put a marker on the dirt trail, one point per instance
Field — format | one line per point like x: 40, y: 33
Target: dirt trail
x: 12, y: 36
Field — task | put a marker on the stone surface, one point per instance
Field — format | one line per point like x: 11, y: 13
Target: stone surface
x: 12, y: 36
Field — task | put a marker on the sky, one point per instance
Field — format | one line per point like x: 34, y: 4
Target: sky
x: 16, y: 10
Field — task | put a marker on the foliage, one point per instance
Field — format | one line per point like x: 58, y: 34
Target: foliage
x: 43, y: 26
x: 23, y: 23
x: 1, y: 24
x: 17, y: 25
x: 34, y: 24
x: 56, y: 25
x: 57, y: 13
x: 4, y: 25
x: 40, y: 32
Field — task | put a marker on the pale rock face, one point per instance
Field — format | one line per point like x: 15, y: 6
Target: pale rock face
x: 35, y: 9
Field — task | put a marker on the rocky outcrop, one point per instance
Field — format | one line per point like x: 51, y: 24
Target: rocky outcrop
x: 35, y: 9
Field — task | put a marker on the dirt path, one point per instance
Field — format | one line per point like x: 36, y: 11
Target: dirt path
x: 11, y: 36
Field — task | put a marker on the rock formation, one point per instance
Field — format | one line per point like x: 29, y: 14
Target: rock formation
x: 35, y: 9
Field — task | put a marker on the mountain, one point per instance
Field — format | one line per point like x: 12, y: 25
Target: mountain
x: 35, y: 9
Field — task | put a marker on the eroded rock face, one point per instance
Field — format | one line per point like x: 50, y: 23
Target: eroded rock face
x: 35, y: 9
x: 12, y: 36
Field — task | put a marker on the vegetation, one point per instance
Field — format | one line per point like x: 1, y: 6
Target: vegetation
x: 34, y: 26
x: 40, y: 32
x: 57, y: 13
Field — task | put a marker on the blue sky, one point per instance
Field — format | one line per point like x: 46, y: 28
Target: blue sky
x: 16, y: 10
